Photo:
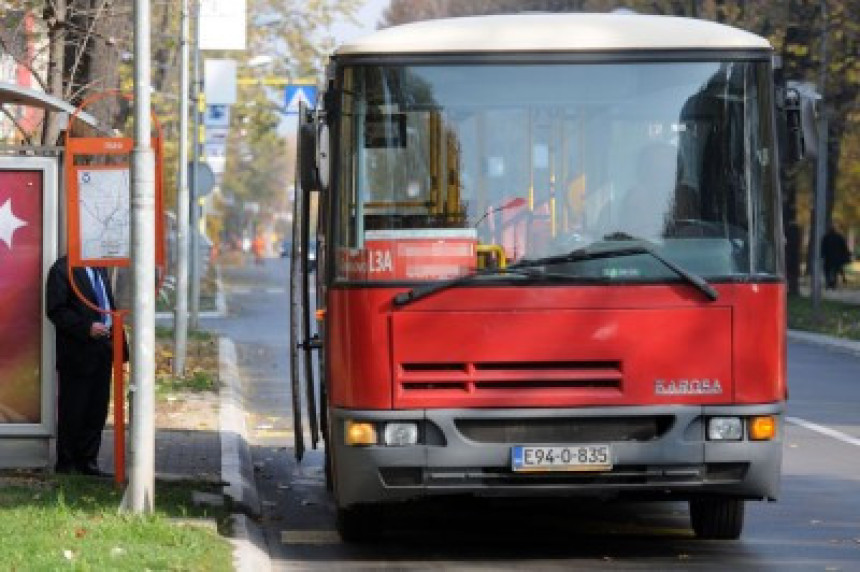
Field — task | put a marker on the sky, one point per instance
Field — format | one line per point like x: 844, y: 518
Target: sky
x: 343, y: 31
x: 367, y: 16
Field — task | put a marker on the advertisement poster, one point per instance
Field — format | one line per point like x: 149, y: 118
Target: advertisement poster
x: 20, y: 296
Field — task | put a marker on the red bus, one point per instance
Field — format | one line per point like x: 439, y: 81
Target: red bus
x: 549, y: 263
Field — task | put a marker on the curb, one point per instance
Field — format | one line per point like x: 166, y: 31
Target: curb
x: 839, y: 344
x: 248, y: 556
x: 236, y: 466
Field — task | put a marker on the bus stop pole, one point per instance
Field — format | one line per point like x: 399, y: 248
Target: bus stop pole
x: 195, y: 182
x: 183, y: 206
x: 820, y: 206
x: 139, y: 495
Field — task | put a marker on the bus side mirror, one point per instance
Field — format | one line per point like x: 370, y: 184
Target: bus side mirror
x: 791, y: 127
x: 309, y: 176
x: 798, y: 130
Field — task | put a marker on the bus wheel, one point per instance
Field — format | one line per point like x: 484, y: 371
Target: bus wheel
x: 359, y: 523
x: 717, y: 518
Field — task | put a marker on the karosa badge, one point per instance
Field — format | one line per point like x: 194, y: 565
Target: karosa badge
x: 687, y: 387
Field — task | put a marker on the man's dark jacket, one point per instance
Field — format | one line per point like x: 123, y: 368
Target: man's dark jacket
x: 76, y: 349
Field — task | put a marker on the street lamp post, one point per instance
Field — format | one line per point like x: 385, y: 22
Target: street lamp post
x: 195, y: 192
x: 180, y: 316
x: 139, y: 496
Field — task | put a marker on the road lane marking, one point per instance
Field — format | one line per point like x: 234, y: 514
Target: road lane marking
x: 276, y: 290
x: 313, y: 537
x: 838, y: 435
x: 274, y: 433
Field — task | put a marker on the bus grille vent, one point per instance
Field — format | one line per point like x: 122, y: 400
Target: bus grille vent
x: 481, y: 377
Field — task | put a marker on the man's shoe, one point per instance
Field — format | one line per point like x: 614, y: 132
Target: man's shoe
x: 92, y: 470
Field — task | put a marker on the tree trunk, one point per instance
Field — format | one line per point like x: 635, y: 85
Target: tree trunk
x: 56, y: 19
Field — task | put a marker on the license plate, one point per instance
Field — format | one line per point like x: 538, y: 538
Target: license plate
x: 592, y: 457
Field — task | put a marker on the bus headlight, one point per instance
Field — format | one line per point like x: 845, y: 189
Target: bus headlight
x: 400, y: 434
x: 725, y: 429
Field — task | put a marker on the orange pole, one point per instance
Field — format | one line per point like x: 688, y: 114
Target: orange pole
x: 118, y: 398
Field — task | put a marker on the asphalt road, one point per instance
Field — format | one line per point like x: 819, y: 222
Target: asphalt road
x: 814, y: 526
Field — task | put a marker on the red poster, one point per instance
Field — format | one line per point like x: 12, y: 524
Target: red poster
x: 20, y: 296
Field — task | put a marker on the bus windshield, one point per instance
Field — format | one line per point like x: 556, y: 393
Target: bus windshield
x: 449, y: 169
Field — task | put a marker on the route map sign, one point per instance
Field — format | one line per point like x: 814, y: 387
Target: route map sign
x: 103, y: 196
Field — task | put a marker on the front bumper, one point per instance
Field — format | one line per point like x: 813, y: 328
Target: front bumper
x: 675, y: 461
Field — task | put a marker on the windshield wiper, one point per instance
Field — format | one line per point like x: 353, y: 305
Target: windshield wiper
x: 522, y: 267
x: 423, y: 291
x: 634, y: 247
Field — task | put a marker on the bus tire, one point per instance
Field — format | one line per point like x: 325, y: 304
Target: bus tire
x: 359, y: 523
x: 717, y: 518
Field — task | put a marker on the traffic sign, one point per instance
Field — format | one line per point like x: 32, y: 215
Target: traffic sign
x: 217, y: 116
x: 205, y: 180
x: 299, y: 93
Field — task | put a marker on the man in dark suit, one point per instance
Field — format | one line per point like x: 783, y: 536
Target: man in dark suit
x: 84, y: 363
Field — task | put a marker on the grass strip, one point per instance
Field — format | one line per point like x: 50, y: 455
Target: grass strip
x: 73, y: 522
x: 834, y: 318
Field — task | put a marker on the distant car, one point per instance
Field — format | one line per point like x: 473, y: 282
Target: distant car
x: 286, y: 248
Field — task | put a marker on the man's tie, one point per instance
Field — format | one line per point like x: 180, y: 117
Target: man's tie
x: 98, y: 286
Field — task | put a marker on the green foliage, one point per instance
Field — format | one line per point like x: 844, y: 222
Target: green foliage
x: 196, y: 381
x: 73, y: 522
x: 834, y: 318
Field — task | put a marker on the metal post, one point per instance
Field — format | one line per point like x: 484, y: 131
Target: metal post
x: 819, y: 210
x: 180, y: 315
x: 820, y: 202
x: 195, y: 207
x: 140, y: 493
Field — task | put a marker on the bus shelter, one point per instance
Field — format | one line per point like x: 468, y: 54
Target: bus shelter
x: 31, y: 239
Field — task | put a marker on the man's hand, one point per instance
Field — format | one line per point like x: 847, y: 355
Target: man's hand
x: 99, y: 330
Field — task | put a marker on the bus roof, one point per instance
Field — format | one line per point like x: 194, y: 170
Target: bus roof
x: 554, y: 33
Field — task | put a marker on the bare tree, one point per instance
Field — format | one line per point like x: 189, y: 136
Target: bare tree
x: 79, y: 51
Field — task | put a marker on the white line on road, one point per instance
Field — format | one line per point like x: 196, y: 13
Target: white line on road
x: 824, y: 431
x: 276, y: 290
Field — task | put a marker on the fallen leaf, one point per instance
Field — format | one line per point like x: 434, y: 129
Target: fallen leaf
x: 80, y: 532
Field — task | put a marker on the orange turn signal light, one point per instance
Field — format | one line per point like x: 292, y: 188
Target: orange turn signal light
x: 320, y: 314
x: 762, y: 428
x: 360, y: 433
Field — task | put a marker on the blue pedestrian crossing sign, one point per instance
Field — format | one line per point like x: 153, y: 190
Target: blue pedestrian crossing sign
x: 299, y: 93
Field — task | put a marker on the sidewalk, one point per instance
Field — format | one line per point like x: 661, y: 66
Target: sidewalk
x: 185, y: 449
x: 202, y: 438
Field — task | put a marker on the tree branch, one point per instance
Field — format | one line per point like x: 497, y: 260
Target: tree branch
x: 22, y: 61
x: 82, y: 47
x: 17, y: 125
